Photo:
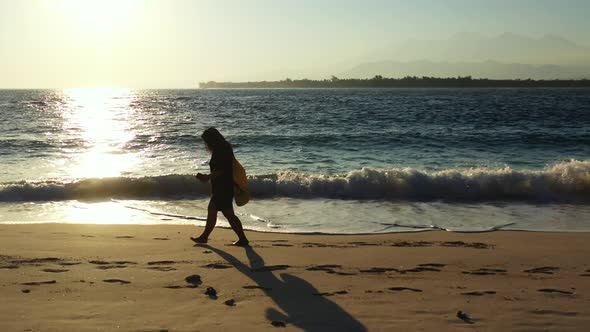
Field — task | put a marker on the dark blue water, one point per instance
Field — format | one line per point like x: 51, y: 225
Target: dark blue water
x: 321, y: 131
x: 389, y: 145
x: 340, y: 130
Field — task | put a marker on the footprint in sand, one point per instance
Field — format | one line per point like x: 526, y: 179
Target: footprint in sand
x: 479, y: 293
x: 270, y: 268
x: 39, y: 283
x: 120, y: 281
x: 37, y: 260
x: 325, y: 267
x: 475, y: 245
x: 494, y: 270
x: 485, y: 272
x: 162, y: 268
x: 412, y: 244
x: 175, y: 287
x: 380, y: 270
x: 342, y: 273
x: 544, y: 269
x: 217, y: 266
x: 401, y: 289
x: 123, y: 262
x: 124, y: 237
x: 323, y: 245
x: 421, y: 269
x: 331, y: 293
x: 363, y: 244
x: 329, y: 268
x: 552, y: 290
x: 104, y: 265
x: 479, y: 273
x: 54, y: 270
x: 161, y: 263
x: 110, y: 267
x: 161, y: 238
x: 8, y: 267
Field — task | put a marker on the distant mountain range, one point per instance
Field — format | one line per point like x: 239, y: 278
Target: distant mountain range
x: 472, y: 47
x: 507, y: 56
x: 486, y: 69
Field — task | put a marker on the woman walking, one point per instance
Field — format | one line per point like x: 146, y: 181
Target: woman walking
x: 222, y: 186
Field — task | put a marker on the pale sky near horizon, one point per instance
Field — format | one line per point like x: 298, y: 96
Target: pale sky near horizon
x: 178, y: 43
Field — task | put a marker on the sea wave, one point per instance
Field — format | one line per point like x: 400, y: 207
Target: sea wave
x: 562, y: 182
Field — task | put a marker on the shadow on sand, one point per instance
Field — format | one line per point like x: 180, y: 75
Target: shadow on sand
x: 294, y: 296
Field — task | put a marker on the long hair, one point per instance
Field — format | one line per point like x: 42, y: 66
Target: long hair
x: 215, y: 141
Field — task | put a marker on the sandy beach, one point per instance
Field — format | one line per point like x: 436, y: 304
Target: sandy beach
x: 58, y: 277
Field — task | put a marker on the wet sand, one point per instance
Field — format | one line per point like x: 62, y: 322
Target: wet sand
x: 57, y: 277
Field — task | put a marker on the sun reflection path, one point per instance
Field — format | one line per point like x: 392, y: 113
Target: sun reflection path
x: 100, y: 118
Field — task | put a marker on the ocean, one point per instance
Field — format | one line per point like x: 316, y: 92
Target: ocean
x: 319, y: 160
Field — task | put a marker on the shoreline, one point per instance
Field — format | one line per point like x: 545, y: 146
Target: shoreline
x: 88, y: 277
x: 411, y: 230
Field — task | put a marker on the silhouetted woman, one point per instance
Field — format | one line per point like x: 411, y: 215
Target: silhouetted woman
x: 222, y: 186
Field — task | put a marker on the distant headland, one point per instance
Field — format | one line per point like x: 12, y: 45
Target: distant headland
x: 406, y: 82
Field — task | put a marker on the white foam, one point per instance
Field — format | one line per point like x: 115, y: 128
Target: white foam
x: 563, y: 182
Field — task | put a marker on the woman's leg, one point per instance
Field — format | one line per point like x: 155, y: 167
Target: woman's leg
x: 211, y: 221
x: 236, y: 225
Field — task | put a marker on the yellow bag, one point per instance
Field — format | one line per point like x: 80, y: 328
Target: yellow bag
x: 241, y: 194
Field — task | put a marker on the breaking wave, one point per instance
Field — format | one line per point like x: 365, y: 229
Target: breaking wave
x: 562, y: 182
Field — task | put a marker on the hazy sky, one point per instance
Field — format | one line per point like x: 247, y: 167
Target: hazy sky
x: 177, y: 43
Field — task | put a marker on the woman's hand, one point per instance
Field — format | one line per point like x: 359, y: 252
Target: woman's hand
x: 203, y: 177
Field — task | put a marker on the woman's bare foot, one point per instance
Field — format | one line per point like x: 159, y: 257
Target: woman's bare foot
x: 241, y: 243
x: 199, y: 240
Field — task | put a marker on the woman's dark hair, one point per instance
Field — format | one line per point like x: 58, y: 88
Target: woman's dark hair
x: 215, y: 140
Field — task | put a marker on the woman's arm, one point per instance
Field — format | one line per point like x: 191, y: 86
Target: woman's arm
x: 207, y: 177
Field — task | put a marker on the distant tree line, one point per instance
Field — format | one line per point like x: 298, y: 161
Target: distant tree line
x: 407, y: 82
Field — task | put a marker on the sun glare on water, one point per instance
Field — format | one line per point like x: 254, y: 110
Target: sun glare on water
x: 100, y: 119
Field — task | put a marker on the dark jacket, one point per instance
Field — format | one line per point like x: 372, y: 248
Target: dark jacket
x: 222, y: 183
